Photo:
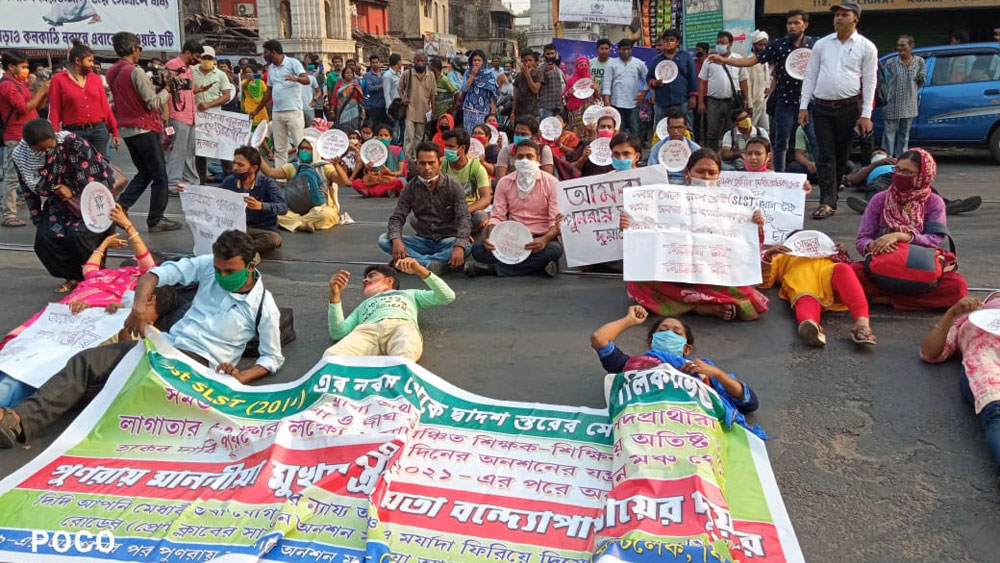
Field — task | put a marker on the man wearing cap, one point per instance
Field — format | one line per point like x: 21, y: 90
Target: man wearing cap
x: 788, y: 89
x: 840, y: 83
x: 624, y: 86
x: 180, y: 163
x: 671, y: 96
x: 759, y: 82
x: 211, y: 91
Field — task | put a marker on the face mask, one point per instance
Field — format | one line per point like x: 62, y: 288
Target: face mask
x: 903, y: 183
x: 482, y: 139
x: 450, y: 155
x: 745, y: 123
x: 670, y: 342
x: 354, y: 142
x: 879, y: 157
x: 23, y: 75
x: 376, y: 287
x: 519, y: 138
x: 551, y: 60
x: 305, y: 156
x: 605, y: 134
x: 268, y: 58
x: 255, y: 76
x: 428, y: 181
x: 386, y: 142
x: 443, y: 128
x: 722, y: 49
x: 242, y: 175
x: 763, y: 167
x: 311, y: 67
x: 207, y: 65
x: 526, y: 166
x: 703, y: 183
x: 85, y: 70
x: 234, y: 281
x: 621, y: 163
x: 420, y: 68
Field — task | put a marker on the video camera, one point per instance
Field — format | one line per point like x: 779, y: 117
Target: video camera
x: 164, y: 77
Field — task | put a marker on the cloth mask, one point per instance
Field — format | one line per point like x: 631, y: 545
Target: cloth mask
x: 450, y: 155
x: 793, y: 37
x: 703, y: 183
x: 242, y: 175
x: 763, y: 167
x: 621, y: 163
x: 23, y: 74
x: 420, y: 69
x: 85, y: 70
x: 904, y: 182
x: 234, y: 281
x: 482, y: 139
x: 305, y: 156
x: 428, y: 181
x: 745, y: 123
x: 386, y: 142
x: 268, y: 58
x: 722, y: 49
x: 605, y: 134
x: 519, y: 138
x: 527, y: 175
x: 207, y: 65
x: 670, y: 342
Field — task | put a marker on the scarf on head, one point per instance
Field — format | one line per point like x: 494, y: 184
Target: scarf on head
x: 904, y: 210
x: 30, y: 162
x: 438, y: 139
x: 581, y: 70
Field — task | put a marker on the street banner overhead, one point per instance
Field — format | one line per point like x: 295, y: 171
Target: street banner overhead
x: 53, y: 24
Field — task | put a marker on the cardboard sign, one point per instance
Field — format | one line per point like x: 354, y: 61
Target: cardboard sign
x: 600, y: 151
x: 592, y: 114
x: 583, y: 88
x: 332, y: 143
x: 217, y: 134
x: 550, y: 128
x: 96, y: 203
x: 211, y: 211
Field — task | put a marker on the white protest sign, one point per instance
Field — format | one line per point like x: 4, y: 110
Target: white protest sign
x: 217, y: 134
x: 591, y: 114
x: 674, y: 155
x: 210, y: 211
x: 332, y: 143
x: 600, y: 151
x: 374, y: 152
x: 259, y: 134
x: 810, y: 244
x: 591, y: 209
x: 663, y: 128
x: 493, y: 134
x: 780, y: 197
x: 986, y: 319
x: 45, y: 346
x: 583, y: 88
x: 96, y: 203
x: 509, y: 238
x: 691, y: 234
x: 476, y: 149
x: 666, y: 71
x: 797, y: 62
x: 551, y: 128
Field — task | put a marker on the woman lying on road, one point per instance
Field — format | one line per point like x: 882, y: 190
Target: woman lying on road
x: 980, y: 350
x: 671, y: 342
x: 727, y: 303
x: 907, y: 212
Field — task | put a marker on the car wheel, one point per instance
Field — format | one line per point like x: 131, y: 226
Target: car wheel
x: 995, y: 144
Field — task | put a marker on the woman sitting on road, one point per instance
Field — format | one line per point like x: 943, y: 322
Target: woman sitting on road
x: 54, y: 168
x: 324, y: 177
x: 727, y: 303
x: 908, y: 212
x: 388, y: 179
x: 980, y: 350
x: 671, y: 342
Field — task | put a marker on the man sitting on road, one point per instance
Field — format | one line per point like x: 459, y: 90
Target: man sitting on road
x: 214, y: 332
x: 442, y: 217
x: 471, y: 174
x: 385, y: 323
x: 264, y: 197
x: 676, y: 126
x: 529, y: 197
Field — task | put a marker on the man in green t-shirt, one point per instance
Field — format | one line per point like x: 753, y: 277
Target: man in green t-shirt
x: 804, y: 161
x: 333, y: 77
x: 471, y: 174
x: 385, y: 323
x: 444, y: 99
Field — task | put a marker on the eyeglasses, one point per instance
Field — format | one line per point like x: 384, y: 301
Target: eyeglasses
x: 898, y: 170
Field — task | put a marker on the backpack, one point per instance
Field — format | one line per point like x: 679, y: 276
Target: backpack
x: 912, y: 269
x: 881, y: 86
x: 306, y: 189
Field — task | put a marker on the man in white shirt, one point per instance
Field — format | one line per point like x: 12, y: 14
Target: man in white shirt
x: 717, y: 89
x: 840, y: 84
x: 624, y: 86
x: 390, y: 87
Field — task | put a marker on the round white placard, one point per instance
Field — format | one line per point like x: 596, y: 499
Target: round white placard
x: 374, y: 152
x: 986, y: 319
x: 583, y: 88
x: 96, y: 203
x: 614, y: 114
x: 674, y: 155
x: 476, y: 149
x: 600, y: 151
x: 259, y: 134
x: 591, y: 114
x: 551, y: 128
x: 810, y: 244
x: 493, y: 134
x: 509, y: 238
x: 662, y: 131
x: 666, y: 71
x: 797, y: 62
x: 332, y: 143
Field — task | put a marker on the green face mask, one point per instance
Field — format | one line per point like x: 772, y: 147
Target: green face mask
x: 450, y: 155
x: 234, y: 281
x: 305, y: 156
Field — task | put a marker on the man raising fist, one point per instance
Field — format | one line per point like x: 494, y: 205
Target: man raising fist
x: 385, y: 323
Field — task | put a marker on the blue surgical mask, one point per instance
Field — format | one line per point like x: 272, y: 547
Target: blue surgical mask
x: 519, y: 138
x: 621, y: 163
x: 670, y: 342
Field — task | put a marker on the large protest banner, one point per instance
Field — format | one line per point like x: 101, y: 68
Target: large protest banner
x: 779, y: 196
x: 211, y: 211
x: 54, y: 24
x: 218, y: 133
x: 591, y: 208
x: 617, y: 12
x: 691, y: 234
x: 45, y: 346
x: 376, y: 459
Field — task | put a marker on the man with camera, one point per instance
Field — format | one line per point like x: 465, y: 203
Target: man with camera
x: 137, y: 108
x: 180, y: 164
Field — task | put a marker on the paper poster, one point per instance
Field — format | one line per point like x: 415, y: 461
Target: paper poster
x: 217, y: 134
x: 591, y: 209
x: 45, y: 346
x: 617, y: 12
x: 54, y: 24
x: 810, y: 244
x: 210, y: 212
x: 370, y: 459
x: 780, y: 197
x: 691, y: 234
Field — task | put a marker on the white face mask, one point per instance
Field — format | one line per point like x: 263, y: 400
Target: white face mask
x: 700, y: 182
x: 427, y: 181
x: 527, y: 174
x: 879, y: 157
x: 722, y: 49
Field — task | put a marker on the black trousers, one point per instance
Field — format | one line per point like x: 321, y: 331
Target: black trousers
x: 834, y: 134
x: 151, y: 166
x: 65, y: 256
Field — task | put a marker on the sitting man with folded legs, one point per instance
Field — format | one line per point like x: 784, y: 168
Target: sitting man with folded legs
x: 385, y: 323
x: 214, y: 332
x: 441, y: 217
x: 529, y: 197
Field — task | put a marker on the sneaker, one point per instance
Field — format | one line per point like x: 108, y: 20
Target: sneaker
x: 857, y: 204
x: 438, y: 268
x: 812, y: 333
x: 957, y: 206
x: 552, y: 269
x: 164, y: 225
x: 10, y: 429
x: 474, y: 268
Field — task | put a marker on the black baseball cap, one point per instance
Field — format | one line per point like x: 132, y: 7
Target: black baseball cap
x: 848, y: 5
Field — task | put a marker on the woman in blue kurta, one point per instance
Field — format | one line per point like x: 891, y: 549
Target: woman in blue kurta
x: 480, y: 91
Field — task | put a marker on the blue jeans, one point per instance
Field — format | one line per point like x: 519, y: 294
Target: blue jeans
x: 786, y: 116
x: 896, y: 137
x: 533, y: 264
x: 13, y: 391
x: 989, y: 418
x: 398, y: 128
x: 96, y: 136
x: 630, y: 120
x: 423, y: 250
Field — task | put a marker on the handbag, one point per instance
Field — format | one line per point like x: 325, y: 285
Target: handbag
x: 397, y: 109
x: 736, y: 102
x: 911, y: 268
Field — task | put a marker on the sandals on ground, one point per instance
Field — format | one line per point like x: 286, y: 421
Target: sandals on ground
x: 863, y: 336
x: 823, y: 211
x: 66, y: 287
x: 812, y: 333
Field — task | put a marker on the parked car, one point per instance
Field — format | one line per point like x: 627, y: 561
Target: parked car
x: 960, y: 100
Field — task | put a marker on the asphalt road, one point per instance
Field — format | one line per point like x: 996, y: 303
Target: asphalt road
x: 876, y: 454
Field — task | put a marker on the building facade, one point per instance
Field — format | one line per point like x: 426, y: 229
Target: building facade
x: 494, y: 35
x: 308, y: 26
x: 371, y: 16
